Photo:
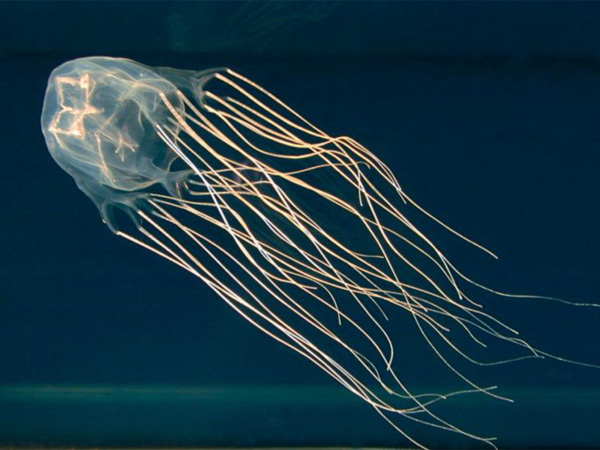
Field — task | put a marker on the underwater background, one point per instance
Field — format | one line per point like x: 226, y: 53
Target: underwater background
x: 488, y: 113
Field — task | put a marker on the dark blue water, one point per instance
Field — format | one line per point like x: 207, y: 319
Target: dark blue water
x: 487, y: 113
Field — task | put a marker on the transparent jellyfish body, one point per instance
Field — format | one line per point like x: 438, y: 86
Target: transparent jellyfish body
x: 306, y: 235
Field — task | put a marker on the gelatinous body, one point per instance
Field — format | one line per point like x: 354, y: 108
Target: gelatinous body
x: 306, y: 235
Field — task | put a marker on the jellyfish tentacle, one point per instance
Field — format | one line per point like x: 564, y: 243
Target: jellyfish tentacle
x: 332, y: 367
x: 476, y: 387
x: 446, y: 297
x: 392, y: 211
x: 481, y: 389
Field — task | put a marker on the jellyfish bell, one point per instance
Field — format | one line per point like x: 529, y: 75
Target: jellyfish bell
x: 308, y: 236
x: 96, y: 119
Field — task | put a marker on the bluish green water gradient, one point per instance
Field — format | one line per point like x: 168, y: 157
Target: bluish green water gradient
x: 218, y: 416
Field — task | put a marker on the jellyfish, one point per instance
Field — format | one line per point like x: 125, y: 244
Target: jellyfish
x: 309, y: 237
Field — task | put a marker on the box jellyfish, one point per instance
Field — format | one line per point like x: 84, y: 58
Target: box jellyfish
x: 308, y: 236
